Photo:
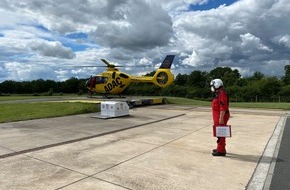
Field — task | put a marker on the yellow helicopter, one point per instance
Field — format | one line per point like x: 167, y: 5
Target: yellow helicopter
x: 114, y: 82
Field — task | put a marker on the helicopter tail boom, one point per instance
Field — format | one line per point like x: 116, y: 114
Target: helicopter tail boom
x: 163, y: 77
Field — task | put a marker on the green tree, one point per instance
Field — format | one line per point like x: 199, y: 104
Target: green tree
x: 181, y: 79
x: 226, y: 74
x: 284, y: 93
x: 270, y: 87
x: 8, y: 86
x: 250, y: 93
x: 38, y: 86
x: 198, y: 79
x: 257, y: 76
x: 70, y: 86
x: 286, y: 78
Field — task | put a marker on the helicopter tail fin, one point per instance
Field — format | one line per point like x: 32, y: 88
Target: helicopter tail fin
x: 167, y: 62
x: 163, y: 77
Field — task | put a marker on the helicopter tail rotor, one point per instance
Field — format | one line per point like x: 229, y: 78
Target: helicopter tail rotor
x: 163, y: 77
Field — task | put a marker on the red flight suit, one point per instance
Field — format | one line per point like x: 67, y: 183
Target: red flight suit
x: 92, y: 84
x: 220, y: 103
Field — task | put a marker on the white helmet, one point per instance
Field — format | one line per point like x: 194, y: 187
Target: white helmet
x: 215, y: 84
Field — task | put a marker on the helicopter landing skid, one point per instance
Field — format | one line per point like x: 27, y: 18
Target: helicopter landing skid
x: 112, y: 96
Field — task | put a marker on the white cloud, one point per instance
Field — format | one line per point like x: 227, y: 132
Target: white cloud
x: 248, y: 35
x: 23, y: 72
x: 282, y: 40
x: 139, y: 25
x: 51, y: 49
x: 251, y: 44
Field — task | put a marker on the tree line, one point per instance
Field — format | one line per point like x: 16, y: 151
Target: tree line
x: 195, y: 85
x: 43, y: 87
x: 255, y: 88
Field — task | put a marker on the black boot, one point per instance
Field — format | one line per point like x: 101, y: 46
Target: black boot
x: 215, y: 150
x: 218, y: 153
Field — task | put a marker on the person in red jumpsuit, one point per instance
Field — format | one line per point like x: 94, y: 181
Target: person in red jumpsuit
x: 220, y: 113
x: 92, y: 85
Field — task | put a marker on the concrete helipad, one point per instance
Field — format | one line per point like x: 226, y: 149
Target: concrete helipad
x: 157, y: 147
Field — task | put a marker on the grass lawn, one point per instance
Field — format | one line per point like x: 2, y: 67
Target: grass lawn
x: 34, y: 110
x: 26, y: 111
x: 262, y: 105
x: 28, y: 97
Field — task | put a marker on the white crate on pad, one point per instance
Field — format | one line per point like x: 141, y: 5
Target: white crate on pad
x: 114, y: 109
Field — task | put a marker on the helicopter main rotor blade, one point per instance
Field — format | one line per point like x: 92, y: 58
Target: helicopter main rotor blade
x: 106, y: 62
x: 109, y: 65
x: 90, y: 66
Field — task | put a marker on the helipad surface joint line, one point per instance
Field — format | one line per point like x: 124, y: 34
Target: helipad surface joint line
x: 83, y: 138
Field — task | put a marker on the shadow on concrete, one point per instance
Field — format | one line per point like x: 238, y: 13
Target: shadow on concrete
x: 252, y: 158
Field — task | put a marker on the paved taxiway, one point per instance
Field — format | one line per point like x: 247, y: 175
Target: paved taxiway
x: 156, y: 147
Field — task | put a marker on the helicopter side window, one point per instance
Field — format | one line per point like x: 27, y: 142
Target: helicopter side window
x: 124, y: 76
x: 93, y: 80
x: 98, y: 79
x: 102, y: 80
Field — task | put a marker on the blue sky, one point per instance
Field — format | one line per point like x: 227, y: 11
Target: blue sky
x: 211, y: 4
x: 43, y: 39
